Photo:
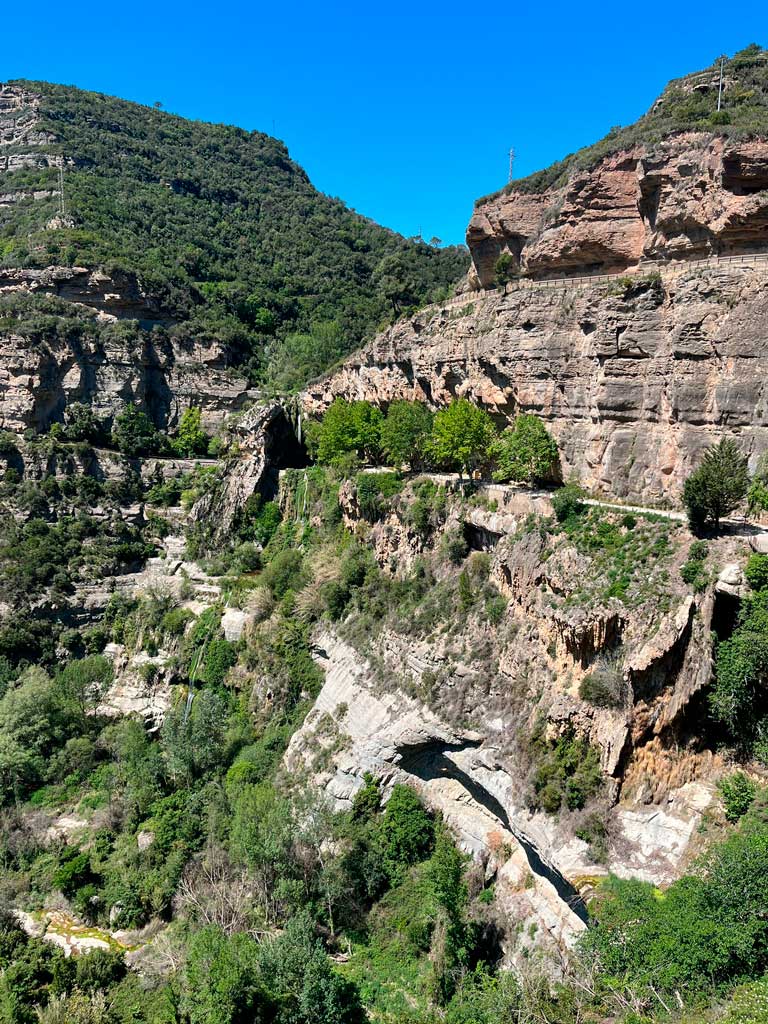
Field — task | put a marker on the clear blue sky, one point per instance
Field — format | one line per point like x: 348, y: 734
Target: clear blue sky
x: 405, y: 110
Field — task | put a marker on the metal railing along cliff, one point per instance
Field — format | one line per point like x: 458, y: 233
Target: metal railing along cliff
x: 640, y: 270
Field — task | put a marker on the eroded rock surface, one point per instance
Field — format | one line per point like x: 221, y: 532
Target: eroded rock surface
x: 690, y: 195
x: 633, y: 381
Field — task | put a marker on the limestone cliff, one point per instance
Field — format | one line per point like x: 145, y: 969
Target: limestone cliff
x: 634, y: 378
x: 69, y: 334
x: 691, y: 195
x: 449, y: 701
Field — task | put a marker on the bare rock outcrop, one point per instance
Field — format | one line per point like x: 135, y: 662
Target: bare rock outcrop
x: 693, y: 194
x: 634, y: 381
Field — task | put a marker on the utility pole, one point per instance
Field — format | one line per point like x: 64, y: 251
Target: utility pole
x: 61, y: 187
x: 511, y: 165
x: 720, y: 89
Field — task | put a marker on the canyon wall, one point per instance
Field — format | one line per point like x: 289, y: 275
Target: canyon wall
x: 104, y: 343
x: 633, y: 377
x: 692, y: 195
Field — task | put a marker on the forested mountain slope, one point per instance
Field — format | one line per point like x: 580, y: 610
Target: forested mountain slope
x: 222, y: 229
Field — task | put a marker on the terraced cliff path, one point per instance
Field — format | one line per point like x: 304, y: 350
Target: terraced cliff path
x: 666, y: 270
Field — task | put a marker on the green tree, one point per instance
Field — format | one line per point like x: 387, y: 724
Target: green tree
x: 525, y: 452
x: 407, y: 830
x: 84, y: 681
x: 134, y: 433
x: 404, y: 433
x: 738, y: 791
x: 349, y: 427
x: 299, y: 357
x: 195, y: 747
x: 741, y: 672
x: 718, y: 486
x: 191, y: 439
x: 222, y: 982
x: 306, y: 986
x: 462, y: 435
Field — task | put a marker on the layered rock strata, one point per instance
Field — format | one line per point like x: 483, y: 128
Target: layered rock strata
x: 693, y: 194
x: 633, y: 379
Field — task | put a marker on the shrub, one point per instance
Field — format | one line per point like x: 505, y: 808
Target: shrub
x: 373, y: 490
x: 220, y: 656
x: 453, y: 546
x: 407, y: 830
x: 568, y: 770
x: 134, y: 433
x: 756, y: 571
x: 604, y: 685
x: 191, y: 439
x: 741, y: 672
x: 738, y: 791
x: 284, y: 573
x: 567, y: 502
x: 495, y: 607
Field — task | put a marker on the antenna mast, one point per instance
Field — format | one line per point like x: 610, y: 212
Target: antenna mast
x: 61, y: 187
x: 511, y: 165
x: 720, y: 88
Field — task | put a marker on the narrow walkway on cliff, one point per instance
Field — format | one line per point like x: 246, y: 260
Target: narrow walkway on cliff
x: 643, y: 269
x: 736, y: 524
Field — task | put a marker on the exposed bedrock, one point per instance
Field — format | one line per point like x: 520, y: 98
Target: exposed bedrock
x: 688, y: 196
x: 633, y: 381
x: 266, y: 443
x: 104, y: 354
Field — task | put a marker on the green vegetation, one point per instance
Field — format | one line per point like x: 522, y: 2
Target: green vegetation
x: 703, y: 934
x: 567, y: 772
x: 717, y: 487
x: 525, y: 452
x: 405, y: 432
x: 694, y: 571
x: 347, y: 428
x: 738, y: 792
x: 461, y: 437
x: 603, y: 686
x: 224, y: 231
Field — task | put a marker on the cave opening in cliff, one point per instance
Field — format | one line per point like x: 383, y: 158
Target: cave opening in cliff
x: 725, y: 615
x: 480, y: 539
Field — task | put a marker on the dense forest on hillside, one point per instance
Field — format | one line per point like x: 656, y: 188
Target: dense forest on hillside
x: 222, y: 227
x: 687, y: 104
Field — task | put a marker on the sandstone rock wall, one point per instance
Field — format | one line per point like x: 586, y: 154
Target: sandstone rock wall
x: 633, y: 380
x: 109, y: 358
x: 691, y: 195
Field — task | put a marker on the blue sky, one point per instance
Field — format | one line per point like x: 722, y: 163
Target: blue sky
x: 406, y: 111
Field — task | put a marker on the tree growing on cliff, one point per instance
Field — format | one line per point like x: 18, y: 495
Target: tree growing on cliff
x: 462, y: 435
x: 134, y: 433
x: 349, y: 427
x: 717, y: 487
x: 191, y: 439
x: 404, y: 433
x: 525, y: 452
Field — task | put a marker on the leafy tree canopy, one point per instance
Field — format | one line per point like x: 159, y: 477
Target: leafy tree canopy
x: 525, y: 452
x: 462, y: 435
x: 718, y: 486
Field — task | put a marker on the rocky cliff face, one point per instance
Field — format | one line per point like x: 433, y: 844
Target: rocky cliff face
x: 633, y: 379
x: 69, y: 334
x: 449, y: 705
x: 690, y: 196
